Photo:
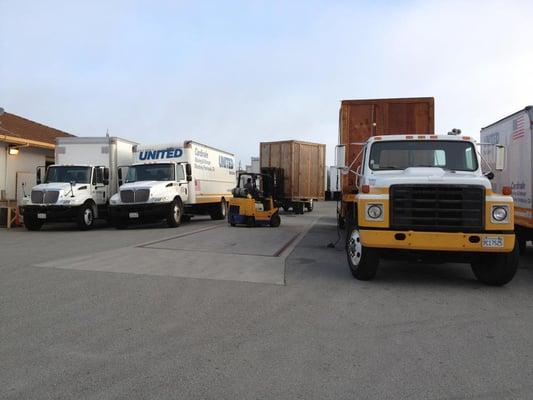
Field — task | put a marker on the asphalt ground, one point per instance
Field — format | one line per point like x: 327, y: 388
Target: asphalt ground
x: 206, y: 311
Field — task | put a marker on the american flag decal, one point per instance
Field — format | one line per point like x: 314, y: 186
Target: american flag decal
x: 519, y: 129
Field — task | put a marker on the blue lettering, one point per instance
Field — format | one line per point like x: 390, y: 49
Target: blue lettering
x: 160, y: 154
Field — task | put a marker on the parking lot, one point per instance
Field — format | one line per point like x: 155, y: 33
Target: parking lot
x: 210, y: 311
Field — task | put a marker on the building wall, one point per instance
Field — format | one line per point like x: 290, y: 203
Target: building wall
x: 27, y: 161
x: 3, y: 148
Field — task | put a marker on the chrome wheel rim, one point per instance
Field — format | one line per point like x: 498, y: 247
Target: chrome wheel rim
x: 88, y: 216
x: 176, y: 213
x: 355, y: 248
x: 223, y: 205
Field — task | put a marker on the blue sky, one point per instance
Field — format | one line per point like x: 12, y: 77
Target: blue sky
x: 231, y: 74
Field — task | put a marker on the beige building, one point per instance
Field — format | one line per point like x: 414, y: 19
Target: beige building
x: 24, y: 146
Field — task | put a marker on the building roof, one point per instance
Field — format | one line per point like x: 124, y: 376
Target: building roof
x: 15, y: 129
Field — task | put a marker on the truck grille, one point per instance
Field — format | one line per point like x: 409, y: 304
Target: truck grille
x: 137, y: 196
x: 457, y: 208
x: 42, y: 197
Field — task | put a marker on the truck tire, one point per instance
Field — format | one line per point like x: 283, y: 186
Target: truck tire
x: 175, y: 213
x: 298, y: 208
x: 219, y: 211
x: 497, y: 269
x: 363, y: 261
x: 309, y: 206
x: 275, y: 221
x: 32, y: 223
x: 85, y: 217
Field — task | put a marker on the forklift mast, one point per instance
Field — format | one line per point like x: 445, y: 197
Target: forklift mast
x: 273, y: 182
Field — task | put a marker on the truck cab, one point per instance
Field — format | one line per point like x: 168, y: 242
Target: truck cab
x: 152, y: 191
x: 66, y: 193
x: 425, y: 197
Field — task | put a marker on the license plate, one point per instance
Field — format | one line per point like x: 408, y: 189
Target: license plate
x: 492, y: 241
x: 41, y: 215
x: 134, y: 215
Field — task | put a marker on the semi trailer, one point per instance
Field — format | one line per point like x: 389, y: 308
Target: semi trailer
x: 173, y: 182
x: 78, y: 186
x: 515, y: 133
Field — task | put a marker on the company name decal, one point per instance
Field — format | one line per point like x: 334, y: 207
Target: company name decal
x: 160, y: 154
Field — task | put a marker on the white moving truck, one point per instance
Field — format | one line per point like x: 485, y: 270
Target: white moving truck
x: 78, y: 186
x: 174, y: 182
x: 515, y: 133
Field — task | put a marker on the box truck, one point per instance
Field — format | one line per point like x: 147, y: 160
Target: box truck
x: 408, y: 193
x: 78, y: 186
x: 302, y: 166
x: 173, y: 182
x: 515, y: 133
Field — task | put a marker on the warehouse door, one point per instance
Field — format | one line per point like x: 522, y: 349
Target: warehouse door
x: 25, y: 181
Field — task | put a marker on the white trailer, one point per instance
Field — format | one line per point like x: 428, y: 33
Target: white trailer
x: 174, y: 182
x: 78, y: 186
x: 515, y: 133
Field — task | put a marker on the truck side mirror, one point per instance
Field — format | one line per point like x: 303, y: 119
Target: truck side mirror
x: 340, y: 159
x: 119, y: 175
x: 40, y: 174
x: 105, y: 180
x: 188, y: 172
x: 500, y: 157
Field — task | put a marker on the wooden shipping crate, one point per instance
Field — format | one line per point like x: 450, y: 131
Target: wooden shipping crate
x: 303, y: 165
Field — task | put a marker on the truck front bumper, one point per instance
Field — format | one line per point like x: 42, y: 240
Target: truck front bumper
x: 485, y: 242
x: 146, y: 211
x: 50, y: 213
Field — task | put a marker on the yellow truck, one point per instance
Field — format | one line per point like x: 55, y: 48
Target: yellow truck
x: 426, y: 197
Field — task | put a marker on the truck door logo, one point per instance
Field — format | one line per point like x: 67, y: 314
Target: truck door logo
x: 160, y: 154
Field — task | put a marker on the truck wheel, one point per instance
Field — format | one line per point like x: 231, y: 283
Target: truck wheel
x: 85, y: 218
x: 309, y: 206
x: 275, y: 221
x: 32, y: 223
x: 298, y: 208
x: 250, y: 222
x: 497, y: 269
x: 175, y: 213
x: 363, y: 261
x: 522, y: 245
x: 219, y: 211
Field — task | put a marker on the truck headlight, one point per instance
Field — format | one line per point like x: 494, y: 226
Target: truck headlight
x: 500, y: 213
x: 374, y: 212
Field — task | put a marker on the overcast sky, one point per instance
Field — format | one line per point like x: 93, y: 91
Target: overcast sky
x: 232, y: 74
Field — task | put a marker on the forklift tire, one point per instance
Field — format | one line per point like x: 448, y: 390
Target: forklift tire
x: 219, y: 210
x: 522, y: 245
x: 250, y: 222
x: 363, y: 261
x: 175, y: 213
x: 85, y: 217
x: 275, y: 221
x: 32, y: 223
x: 496, y: 269
x: 232, y: 224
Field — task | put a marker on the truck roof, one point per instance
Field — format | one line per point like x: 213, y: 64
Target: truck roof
x: 91, y: 139
x: 420, y: 137
x: 527, y: 108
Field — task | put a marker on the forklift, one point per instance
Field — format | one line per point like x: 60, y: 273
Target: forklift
x: 254, y: 199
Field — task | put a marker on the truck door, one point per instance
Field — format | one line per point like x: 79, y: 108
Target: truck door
x: 100, y: 189
x: 181, y: 178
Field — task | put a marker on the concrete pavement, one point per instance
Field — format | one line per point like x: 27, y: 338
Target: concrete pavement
x: 417, y: 331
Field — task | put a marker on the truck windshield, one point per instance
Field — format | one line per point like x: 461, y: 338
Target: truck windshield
x: 151, y: 172
x: 68, y: 174
x: 447, y: 154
